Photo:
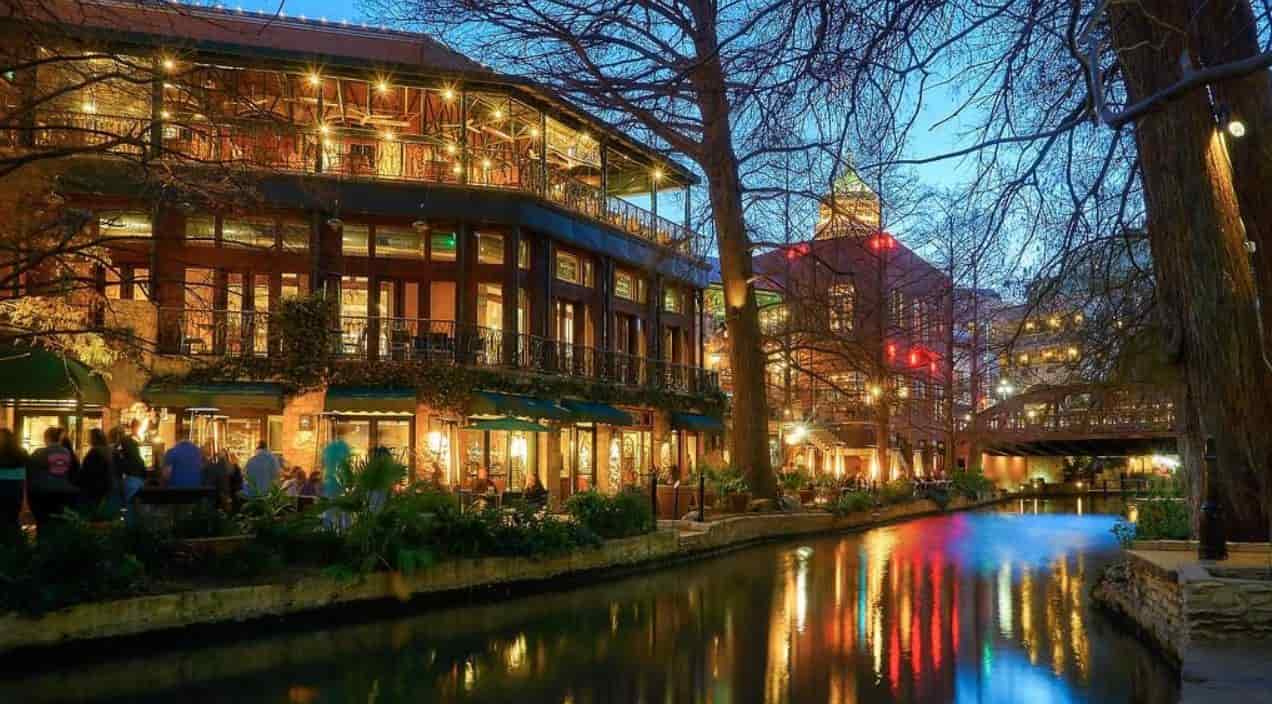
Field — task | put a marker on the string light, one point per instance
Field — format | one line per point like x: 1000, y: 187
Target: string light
x: 315, y: 79
x: 448, y: 94
x: 382, y: 86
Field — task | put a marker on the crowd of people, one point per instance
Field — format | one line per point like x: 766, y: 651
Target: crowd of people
x: 111, y: 472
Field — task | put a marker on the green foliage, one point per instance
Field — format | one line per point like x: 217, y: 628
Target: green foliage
x: 970, y: 484
x: 71, y: 563
x: 1163, y: 514
x: 791, y: 481
x: 622, y: 515
x: 852, y: 502
x: 936, y: 494
x: 203, y: 520
x: 306, y: 340
x: 896, y: 491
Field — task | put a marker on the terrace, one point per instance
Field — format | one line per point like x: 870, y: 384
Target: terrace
x: 346, y: 126
x: 208, y: 332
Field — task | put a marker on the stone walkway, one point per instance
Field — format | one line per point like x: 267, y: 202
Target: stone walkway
x: 1228, y: 673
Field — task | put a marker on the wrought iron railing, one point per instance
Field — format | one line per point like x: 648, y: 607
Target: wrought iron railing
x: 200, y: 332
x: 358, y: 153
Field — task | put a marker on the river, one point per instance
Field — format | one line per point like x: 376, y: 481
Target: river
x: 986, y: 606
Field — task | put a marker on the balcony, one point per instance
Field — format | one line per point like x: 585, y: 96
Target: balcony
x: 248, y: 333
x: 366, y: 154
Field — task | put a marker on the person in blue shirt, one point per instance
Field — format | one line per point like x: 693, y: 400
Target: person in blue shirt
x: 183, y: 464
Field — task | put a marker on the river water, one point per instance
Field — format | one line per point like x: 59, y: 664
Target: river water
x: 988, y: 606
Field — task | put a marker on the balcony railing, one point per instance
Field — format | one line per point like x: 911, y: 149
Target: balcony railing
x: 362, y: 154
x: 200, y: 332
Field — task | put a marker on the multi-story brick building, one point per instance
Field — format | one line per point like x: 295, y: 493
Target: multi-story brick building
x: 857, y: 328
x: 473, y: 230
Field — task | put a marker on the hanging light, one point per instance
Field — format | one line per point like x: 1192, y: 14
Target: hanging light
x: 1233, y: 125
x: 448, y: 94
x: 169, y: 65
x: 388, y: 136
x: 382, y: 86
x: 1236, y: 128
x: 315, y: 79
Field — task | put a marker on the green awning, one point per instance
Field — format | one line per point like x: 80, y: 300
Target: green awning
x: 589, y: 411
x: 370, y: 399
x: 508, y: 423
x: 491, y: 403
x: 230, y: 394
x: 691, y: 421
x: 36, y: 374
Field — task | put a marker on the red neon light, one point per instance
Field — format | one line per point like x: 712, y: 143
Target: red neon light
x: 892, y: 350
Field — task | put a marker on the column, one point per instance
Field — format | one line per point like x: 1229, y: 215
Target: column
x: 604, y: 436
x: 603, y: 317
x: 511, y: 289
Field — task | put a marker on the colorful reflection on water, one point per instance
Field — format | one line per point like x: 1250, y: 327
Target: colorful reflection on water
x: 972, y: 607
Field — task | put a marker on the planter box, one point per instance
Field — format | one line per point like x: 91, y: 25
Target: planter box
x: 215, y: 547
x: 737, y: 503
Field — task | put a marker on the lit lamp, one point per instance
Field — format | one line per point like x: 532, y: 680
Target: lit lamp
x: 1232, y: 125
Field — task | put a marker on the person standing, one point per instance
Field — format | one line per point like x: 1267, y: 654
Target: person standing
x: 13, y: 462
x: 49, y: 471
x: 183, y: 464
x: 96, y: 473
x: 262, y: 471
x: 216, y: 475
x: 334, y: 456
x: 128, y: 462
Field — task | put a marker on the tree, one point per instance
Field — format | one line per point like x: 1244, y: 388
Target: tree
x: 703, y: 79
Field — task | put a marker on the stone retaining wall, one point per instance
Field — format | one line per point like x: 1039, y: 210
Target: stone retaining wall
x: 685, y: 540
x: 1180, y: 602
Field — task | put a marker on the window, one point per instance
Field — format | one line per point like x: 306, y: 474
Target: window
x: 442, y: 247
x: 773, y: 318
x: 124, y: 225
x: 490, y: 248
x: 896, y: 308
x: 523, y: 254
x: 398, y: 242
x: 295, y: 236
x: 200, y: 229
x: 630, y: 286
x: 841, y: 301
x: 571, y: 269
x: 295, y: 285
x: 673, y: 301
x: 258, y: 233
x: 490, y: 306
x: 355, y: 240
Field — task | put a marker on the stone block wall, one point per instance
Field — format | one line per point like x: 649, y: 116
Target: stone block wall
x: 1226, y: 608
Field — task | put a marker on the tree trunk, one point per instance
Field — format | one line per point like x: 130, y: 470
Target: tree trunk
x: 748, y: 441
x: 1205, y: 286
x: 1226, y: 32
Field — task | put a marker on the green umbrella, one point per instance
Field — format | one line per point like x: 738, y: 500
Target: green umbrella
x: 509, y: 423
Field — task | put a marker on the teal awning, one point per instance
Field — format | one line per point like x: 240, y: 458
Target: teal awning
x: 508, y: 423
x: 37, y: 374
x: 491, y: 403
x: 591, y: 412
x: 369, y: 399
x: 691, y: 421
x: 260, y: 396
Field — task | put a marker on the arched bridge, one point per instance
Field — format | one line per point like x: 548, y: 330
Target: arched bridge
x: 1085, y: 420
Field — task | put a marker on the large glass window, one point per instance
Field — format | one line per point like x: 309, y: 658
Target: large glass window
x: 574, y: 269
x: 357, y: 433
x: 295, y: 285
x: 395, y: 436
x: 442, y: 247
x: 673, y: 301
x: 629, y: 286
x: 295, y: 236
x: 254, y: 232
x: 355, y: 240
x: 200, y: 229
x: 490, y: 306
x: 124, y: 225
x: 398, y: 242
x: 490, y: 248
x: 523, y: 254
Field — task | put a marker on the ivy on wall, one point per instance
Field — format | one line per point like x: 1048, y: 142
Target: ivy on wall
x: 305, y: 344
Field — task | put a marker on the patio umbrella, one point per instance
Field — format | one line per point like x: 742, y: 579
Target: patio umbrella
x: 508, y: 423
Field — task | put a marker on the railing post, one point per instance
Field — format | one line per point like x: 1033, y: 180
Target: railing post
x: 1212, y: 544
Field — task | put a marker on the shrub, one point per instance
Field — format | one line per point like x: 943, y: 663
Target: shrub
x: 619, y: 516
x: 896, y: 491
x: 791, y: 481
x: 1157, y: 518
x: 71, y: 563
x: 936, y: 494
x: 852, y: 502
x: 970, y: 484
x: 203, y: 520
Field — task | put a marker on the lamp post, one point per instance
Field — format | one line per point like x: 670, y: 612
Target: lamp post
x: 1212, y: 544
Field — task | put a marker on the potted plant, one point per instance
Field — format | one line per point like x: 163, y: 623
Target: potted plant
x: 791, y: 483
x: 737, y: 493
